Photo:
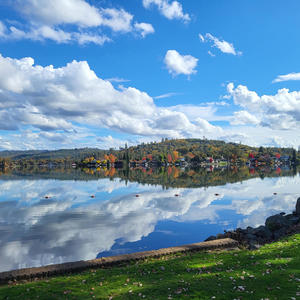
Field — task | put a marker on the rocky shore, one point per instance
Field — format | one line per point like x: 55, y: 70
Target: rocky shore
x: 275, y: 227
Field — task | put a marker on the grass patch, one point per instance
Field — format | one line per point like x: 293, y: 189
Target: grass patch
x: 272, y: 272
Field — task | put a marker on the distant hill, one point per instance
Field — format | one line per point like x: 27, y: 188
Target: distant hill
x: 75, y: 154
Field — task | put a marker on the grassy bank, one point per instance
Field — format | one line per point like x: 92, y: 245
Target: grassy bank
x: 272, y: 272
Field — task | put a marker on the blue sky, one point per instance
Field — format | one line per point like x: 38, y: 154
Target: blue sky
x: 77, y: 73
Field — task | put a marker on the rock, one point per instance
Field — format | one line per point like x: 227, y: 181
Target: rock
x: 250, y: 236
x: 253, y: 245
x: 279, y: 233
x: 220, y: 236
x: 250, y: 229
x: 298, y: 207
x: 263, y: 232
x: 294, y: 220
x: 277, y: 222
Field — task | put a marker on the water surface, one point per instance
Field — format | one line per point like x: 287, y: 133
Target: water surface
x: 126, y: 216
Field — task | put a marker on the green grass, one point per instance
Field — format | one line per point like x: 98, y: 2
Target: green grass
x: 272, y: 272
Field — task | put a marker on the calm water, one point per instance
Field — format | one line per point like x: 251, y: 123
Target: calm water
x: 71, y: 226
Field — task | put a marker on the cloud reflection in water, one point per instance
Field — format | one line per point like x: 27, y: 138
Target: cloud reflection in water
x: 71, y: 226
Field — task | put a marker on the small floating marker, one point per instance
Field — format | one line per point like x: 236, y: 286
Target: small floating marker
x: 217, y: 194
x: 176, y: 195
x: 274, y: 193
x: 47, y: 197
x: 137, y: 195
x: 93, y: 196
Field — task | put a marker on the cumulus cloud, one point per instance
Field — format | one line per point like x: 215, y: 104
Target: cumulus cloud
x: 171, y: 10
x: 222, y: 45
x: 48, y: 20
x: 180, y: 64
x: 51, y: 98
x: 279, y: 111
x: 60, y: 12
x: 243, y: 118
x: 281, y: 78
x: 144, y: 28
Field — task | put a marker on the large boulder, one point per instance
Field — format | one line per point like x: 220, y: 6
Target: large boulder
x: 278, y: 234
x: 298, y: 207
x: 263, y: 232
x: 293, y: 219
x: 277, y: 222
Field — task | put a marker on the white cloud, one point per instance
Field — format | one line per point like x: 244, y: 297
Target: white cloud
x: 222, y: 45
x: 279, y: 111
x: 58, y: 35
x: 117, y: 20
x: 171, y: 10
x: 180, y: 64
x: 57, y: 12
x: 167, y: 95
x: 28, y: 92
x: 287, y: 77
x: 202, y: 38
x: 2, y: 29
x: 117, y: 79
x: 47, y: 20
x: 243, y: 118
x: 107, y: 142
x: 144, y: 28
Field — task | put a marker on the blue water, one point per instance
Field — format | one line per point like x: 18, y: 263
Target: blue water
x: 71, y: 226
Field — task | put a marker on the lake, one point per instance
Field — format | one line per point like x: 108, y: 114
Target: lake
x: 56, y: 216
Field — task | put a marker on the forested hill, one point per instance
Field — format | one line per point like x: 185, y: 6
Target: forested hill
x: 196, y: 149
x: 200, y: 149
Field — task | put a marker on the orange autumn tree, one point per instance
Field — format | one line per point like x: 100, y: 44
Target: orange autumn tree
x: 175, y: 155
x: 169, y: 158
x: 112, y: 158
x: 176, y: 172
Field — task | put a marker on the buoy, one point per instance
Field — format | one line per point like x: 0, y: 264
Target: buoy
x: 47, y: 197
x: 274, y: 193
x: 176, y: 195
x: 137, y: 195
x: 93, y: 196
x: 217, y: 194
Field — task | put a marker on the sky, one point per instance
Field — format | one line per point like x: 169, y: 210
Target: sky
x: 102, y: 73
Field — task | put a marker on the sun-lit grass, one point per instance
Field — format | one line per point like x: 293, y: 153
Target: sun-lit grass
x: 272, y: 272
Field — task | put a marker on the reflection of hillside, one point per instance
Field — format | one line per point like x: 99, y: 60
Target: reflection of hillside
x: 166, y: 177
x: 174, y: 177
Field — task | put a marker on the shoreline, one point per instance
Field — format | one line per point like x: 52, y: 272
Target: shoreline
x: 73, y: 267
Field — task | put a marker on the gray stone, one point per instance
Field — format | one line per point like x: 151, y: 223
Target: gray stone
x: 250, y: 236
x: 298, y: 207
x: 253, y: 245
x: 293, y: 219
x: 279, y: 233
x: 250, y: 229
x: 277, y: 222
x: 263, y: 232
